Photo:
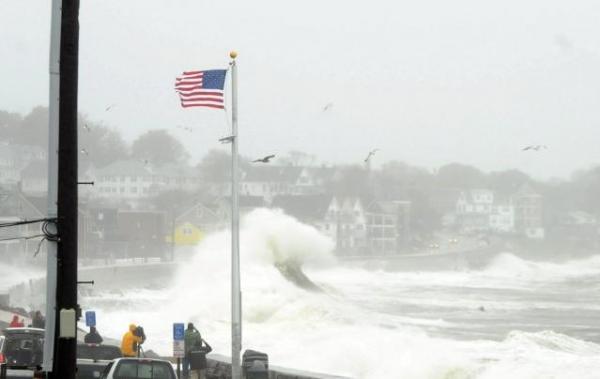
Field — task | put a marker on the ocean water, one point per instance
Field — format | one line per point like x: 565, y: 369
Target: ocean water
x: 539, y: 319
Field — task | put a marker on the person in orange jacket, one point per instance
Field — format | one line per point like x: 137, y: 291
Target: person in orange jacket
x: 130, y: 342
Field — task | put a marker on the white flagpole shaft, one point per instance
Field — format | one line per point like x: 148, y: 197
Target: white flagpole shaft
x: 51, y: 261
x: 236, y: 294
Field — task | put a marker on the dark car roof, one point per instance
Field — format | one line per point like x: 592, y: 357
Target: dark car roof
x: 97, y: 351
x: 37, y: 331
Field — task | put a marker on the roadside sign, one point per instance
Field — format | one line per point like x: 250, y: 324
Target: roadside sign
x: 178, y: 349
x: 178, y: 340
x: 178, y: 331
x: 90, y: 318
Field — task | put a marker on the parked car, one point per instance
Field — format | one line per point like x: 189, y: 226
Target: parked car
x: 93, y: 358
x: 22, y: 351
x: 139, y: 368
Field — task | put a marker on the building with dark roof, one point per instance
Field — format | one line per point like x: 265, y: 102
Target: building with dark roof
x: 388, y: 226
x: 528, y: 212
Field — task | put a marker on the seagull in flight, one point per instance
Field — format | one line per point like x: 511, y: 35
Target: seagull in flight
x: 186, y: 128
x: 110, y: 107
x: 84, y: 152
x: 535, y: 147
x: 87, y: 127
x: 265, y: 159
x: 371, y: 153
x: 327, y: 107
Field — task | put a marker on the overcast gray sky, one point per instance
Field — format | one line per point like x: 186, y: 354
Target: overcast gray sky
x: 427, y: 82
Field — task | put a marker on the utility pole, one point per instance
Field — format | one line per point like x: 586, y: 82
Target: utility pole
x: 66, y: 285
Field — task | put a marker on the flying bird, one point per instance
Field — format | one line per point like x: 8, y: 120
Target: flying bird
x: 110, y: 107
x: 87, y: 127
x: 186, y: 128
x: 265, y: 159
x: 535, y: 147
x: 84, y: 152
x: 327, y: 107
x: 371, y: 153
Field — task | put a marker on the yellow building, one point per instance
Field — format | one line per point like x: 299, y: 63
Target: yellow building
x: 187, y: 234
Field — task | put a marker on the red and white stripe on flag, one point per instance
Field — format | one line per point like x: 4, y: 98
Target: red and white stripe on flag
x: 201, y: 88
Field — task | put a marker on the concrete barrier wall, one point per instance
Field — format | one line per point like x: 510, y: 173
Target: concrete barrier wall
x: 131, y: 274
x: 220, y: 366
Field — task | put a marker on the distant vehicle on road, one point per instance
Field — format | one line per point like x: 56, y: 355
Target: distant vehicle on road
x: 92, y: 359
x: 139, y: 368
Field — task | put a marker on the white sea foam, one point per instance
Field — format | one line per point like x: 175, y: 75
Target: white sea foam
x: 13, y: 274
x: 331, y: 332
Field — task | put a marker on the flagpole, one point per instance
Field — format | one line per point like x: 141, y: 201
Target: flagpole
x: 236, y: 294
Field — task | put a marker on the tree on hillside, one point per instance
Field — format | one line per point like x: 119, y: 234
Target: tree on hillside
x: 9, y: 123
x: 507, y: 182
x: 585, y: 189
x: 351, y: 180
x: 297, y: 158
x: 29, y: 130
x: 215, y: 166
x: 158, y: 147
x: 459, y: 176
x: 34, y: 128
x: 99, y: 144
x: 396, y: 180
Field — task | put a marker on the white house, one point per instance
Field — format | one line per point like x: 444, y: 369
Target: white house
x: 345, y: 222
x: 528, y: 213
x: 268, y: 181
x: 125, y: 180
x: 473, y: 209
x: 502, y: 218
x: 176, y: 177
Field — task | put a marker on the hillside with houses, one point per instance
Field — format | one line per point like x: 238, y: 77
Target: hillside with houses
x: 147, y: 200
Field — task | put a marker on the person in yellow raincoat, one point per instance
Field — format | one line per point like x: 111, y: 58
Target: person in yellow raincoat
x: 130, y: 342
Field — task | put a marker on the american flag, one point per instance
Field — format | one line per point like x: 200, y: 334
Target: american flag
x: 201, y: 88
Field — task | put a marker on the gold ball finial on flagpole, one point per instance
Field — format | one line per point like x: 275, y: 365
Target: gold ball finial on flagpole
x: 233, y: 55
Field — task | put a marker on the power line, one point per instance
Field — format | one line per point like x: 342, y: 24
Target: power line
x: 26, y: 222
x: 23, y: 237
x: 49, y: 234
